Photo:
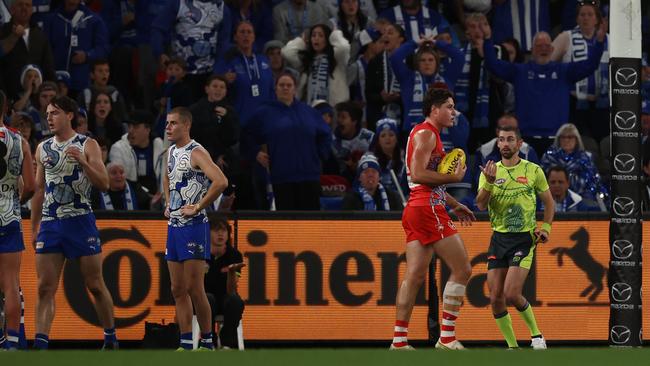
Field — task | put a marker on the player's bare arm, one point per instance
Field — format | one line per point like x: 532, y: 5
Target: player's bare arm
x: 464, y: 214
x: 490, y: 173
x: 544, y: 232
x: 165, y: 183
x: 423, y: 144
x: 27, y: 173
x: 39, y: 194
x: 91, y: 162
x: 201, y: 160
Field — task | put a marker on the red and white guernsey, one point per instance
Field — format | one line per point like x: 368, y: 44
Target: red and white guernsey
x: 423, y: 195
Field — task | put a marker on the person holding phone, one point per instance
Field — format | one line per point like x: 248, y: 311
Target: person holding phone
x: 509, y: 190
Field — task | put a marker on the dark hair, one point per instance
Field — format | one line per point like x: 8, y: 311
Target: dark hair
x: 219, y: 222
x: 99, y: 61
x: 288, y: 74
x: 383, y: 159
x: 594, y: 4
x: 426, y: 48
x: 214, y: 77
x: 435, y: 97
x: 308, y: 56
x: 141, y: 116
x: 353, y: 109
x: 510, y: 129
x: 362, y: 22
x: 240, y: 23
x: 177, y: 61
x: 183, y: 112
x: 558, y: 168
x: 400, y: 30
x: 68, y: 105
x: 113, y: 128
x: 519, y: 57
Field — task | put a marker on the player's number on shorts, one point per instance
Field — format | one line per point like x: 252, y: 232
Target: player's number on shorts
x: 3, y: 159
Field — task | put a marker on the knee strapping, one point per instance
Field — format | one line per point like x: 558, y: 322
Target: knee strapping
x: 452, y: 292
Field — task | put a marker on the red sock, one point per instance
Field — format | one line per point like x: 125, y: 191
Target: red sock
x: 448, y: 326
x: 400, y: 333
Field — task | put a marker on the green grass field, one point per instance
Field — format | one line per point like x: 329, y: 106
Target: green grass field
x: 335, y: 357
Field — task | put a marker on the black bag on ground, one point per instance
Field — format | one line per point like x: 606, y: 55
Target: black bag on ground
x: 160, y: 335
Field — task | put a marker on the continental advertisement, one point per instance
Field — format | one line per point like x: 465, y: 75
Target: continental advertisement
x: 336, y: 280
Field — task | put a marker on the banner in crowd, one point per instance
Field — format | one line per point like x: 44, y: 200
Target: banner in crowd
x: 625, y: 320
x: 333, y: 280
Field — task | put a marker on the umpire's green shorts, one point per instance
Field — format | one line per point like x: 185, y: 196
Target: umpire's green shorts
x: 511, y: 250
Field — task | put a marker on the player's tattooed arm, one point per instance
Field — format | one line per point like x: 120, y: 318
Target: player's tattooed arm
x: 165, y: 183
x: 27, y: 173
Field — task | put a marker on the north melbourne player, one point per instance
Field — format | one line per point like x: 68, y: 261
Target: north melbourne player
x: 68, y: 166
x: 191, y: 184
x: 509, y: 190
x: 15, y: 163
x: 428, y: 227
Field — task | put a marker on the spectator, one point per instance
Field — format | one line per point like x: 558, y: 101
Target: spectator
x: 259, y: 14
x: 216, y: 126
x: 41, y: 11
x: 100, y: 73
x: 590, y: 96
x: 82, y: 123
x: 119, y: 16
x: 140, y: 153
x: 541, y: 86
x: 197, y: 38
x: 145, y: 13
x: 25, y: 125
x: 322, y: 57
x: 387, y: 149
x: 410, y: 13
x: 46, y: 92
x: 371, y: 46
x: 297, y: 139
x: 350, y: 20
x: 351, y: 140
x: 568, y: 151
x: 101, y: 121
x: 382, y: 87
x: 333, y: 7
x: 176, y: 91
x: 30, y: 79
x: 248, y: 73
x: 78, y: 37
x: 325, y: 110
x: 22, y: 45
x: 103, y: 146
x: 415, y: 83
x: 565, y: 199
x: 273, y: 51
x: 480, y: 97
x: 490, y: 150
x: 121, y: 194
x: 63, y: 82
x: 520, y: 19
x: 224, y: 270
x: 291, y: 18
x: 371, y: 194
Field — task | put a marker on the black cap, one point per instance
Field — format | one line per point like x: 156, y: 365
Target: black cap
x: 139, y: 116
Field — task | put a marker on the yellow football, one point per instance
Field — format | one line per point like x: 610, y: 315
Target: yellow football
x: 451, y: 160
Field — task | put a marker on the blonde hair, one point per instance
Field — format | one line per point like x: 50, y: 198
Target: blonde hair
x: 569, y: 129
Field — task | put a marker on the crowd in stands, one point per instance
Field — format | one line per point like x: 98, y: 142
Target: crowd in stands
x: 307, y: 104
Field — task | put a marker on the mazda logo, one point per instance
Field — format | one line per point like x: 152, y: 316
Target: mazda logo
x: 625, y: 120
x: 622, y: 249
x: 624, y: 163
x: 620, y: 334
x: 623, y: 206
x: 626, y: 77
x: 621, y: 292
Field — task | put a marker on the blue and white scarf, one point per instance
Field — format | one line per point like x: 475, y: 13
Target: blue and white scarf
x: 420, y: 86
x: 482, y: 107
x: 369, y: 202
x: 317, y: 87
x: 596, y: 84
x: 129, y: 200
x: 391, y: 85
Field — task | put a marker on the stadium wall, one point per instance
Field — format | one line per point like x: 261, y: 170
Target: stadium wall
x: 334, y: 277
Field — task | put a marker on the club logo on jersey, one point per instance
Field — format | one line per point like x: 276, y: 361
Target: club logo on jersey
x: 522, y: 180
x: 500, y: 181
x: 451, y: 225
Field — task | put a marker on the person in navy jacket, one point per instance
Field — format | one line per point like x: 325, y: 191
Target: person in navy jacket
x: 294, y: 139
x: 78, y: 36
x: 542, y: 87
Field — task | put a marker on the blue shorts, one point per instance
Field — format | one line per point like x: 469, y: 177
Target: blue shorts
x: 73, y: 237
x: 188, y: 242
x: 11, y: 238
